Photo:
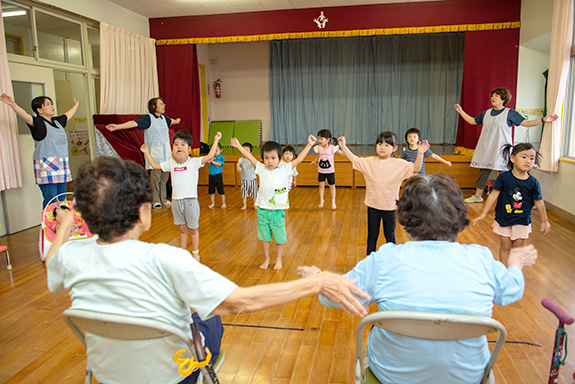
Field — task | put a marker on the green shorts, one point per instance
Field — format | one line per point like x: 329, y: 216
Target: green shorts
x: 272, y: 224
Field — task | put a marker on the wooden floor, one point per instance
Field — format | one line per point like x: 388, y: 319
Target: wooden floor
x: 302, y: 342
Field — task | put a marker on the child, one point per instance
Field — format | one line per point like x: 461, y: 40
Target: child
x: 248, y: 177
x: 51, y: 161
x: 496, y: 132
x: 184, y: 171
x: 215, y: 178
x: 273, y: 194
x: 325, y: 165
x: 412, y: 137
x: 515, y: 191
x: 289, y: 155
x: 383, y: 177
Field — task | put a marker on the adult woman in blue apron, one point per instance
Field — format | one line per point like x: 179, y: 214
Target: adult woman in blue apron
x: 157, y: 139
x: 51, y: 161
x: 496, y: 132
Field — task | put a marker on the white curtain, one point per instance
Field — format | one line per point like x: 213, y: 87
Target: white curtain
x: 561, y: 41
x: 128, y: 71
x: 10, y: 168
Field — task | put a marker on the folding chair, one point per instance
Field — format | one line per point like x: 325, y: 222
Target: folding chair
x: 431, y: 326
x: 135, y: 328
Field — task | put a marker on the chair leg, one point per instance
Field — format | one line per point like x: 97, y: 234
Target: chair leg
x: 8, y: 260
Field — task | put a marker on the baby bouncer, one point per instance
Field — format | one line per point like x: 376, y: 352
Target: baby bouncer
x: 49, y: 224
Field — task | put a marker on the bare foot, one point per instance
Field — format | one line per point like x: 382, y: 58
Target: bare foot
x: 223, y: 206
x: 211, y: 206
x: 196, y: 254
x: 255, y: 207
x: 278, y: 265
x: 265, y: 265
x: 243, y: 208
x: 320, y: 204
x: 333, y: 206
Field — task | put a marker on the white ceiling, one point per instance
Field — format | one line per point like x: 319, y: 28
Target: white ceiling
x: 173, y: 8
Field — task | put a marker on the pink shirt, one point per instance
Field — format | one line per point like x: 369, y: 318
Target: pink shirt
x: 382, y: 180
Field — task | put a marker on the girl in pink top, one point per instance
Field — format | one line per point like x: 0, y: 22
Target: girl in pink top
x: 383, y: 175
x: 325, y: 164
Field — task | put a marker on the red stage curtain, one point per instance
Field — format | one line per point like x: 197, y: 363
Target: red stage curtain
x: 180, y: 86
x: 491, y: 60
x: 126, y: 142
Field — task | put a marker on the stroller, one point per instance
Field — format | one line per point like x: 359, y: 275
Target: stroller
x: 49, y: 224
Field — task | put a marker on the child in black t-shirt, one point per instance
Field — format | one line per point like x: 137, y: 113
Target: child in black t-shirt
x: 516, y: 192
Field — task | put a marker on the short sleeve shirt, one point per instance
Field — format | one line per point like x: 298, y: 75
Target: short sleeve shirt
x: 38, y: 129
x: 274, y: 186
x: 516, y: 199
x: 144, y: 121
x: 184, y: 177
x: 382, y: 180
x: 411, y: 156
x: 248, y: 172
x: 214, y: 169
x: 513, y: 118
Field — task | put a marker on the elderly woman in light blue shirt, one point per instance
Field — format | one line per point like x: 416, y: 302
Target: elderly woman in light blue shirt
x: 434, y: 273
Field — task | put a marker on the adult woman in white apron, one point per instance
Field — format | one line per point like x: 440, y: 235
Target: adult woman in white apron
x: 157, y: 139
x: 51, y: 161
x: 496, y: 131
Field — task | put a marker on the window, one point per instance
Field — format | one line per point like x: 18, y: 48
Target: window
x: 59, y: 39
x: 568, y: 142
x: 17, y: 29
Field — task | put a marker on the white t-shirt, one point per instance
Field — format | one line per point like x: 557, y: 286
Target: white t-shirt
x: 274, y: 183
x: 134, y: 278
x: 184, y: 177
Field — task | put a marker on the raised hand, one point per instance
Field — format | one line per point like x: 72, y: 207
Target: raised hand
x: 311, y: 140
x: 217, y: 137
x: 423, y: 146
x: 144, y: 148
x: 341, y: 141
x: 233, y: 142
x: 7, y: 99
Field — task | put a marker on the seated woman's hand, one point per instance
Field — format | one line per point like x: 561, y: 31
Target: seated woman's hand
x: 343, y: 292
x: 522, y: 257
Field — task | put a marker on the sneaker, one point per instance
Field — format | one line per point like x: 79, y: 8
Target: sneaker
x: 167, y: 202
x: 473, y: 199
x: 157, y: 205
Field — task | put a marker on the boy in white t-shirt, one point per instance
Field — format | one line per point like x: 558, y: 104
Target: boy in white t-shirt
x: 288, y: 156
x: 184, y: 171
x: 272, y: 198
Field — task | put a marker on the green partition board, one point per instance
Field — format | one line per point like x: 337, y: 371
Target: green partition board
x: 249, y: 131
x: 226, y: 127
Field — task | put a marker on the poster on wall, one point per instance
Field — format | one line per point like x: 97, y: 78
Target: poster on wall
x: 79, y: 143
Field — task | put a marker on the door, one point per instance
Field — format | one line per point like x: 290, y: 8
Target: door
x: 24, y: 205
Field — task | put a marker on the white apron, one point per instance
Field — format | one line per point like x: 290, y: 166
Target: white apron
x: 494, y: 134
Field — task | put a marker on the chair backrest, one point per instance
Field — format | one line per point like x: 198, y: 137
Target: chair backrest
x: 435, y: 326
x: 129, y: 328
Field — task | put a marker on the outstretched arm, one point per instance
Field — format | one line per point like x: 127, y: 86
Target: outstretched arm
x: 421, y: 148
x: 210, y: 156
x: 153, y: 163
x: 470, y: 120
x: 491, y: 200
x: 340, y: 290
x: 66, y: 221
x: 343, y: 145
x: 522, y: 257
x: 441, y: 159
x: 536, y: 122
x: 247, y: 154
x: 8, y: 100
x: 311, y: 140
x: 126, y: 125
x: 72, y: 111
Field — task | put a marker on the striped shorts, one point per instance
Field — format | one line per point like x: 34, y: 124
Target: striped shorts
x: 249, y: 188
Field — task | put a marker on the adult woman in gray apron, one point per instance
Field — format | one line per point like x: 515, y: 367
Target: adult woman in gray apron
x: 51, y: 161
x: 157, y: 139
x: 496, y: 132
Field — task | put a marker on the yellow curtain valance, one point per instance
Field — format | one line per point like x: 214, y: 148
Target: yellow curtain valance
x: 352, y: 33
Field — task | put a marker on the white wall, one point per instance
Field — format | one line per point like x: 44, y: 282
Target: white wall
x: 244, y: 71
x: 107, y: 12
x: 536, y: 17
x: 530, y: 91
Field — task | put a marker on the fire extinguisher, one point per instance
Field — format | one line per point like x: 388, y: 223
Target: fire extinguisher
x: 218, y: 88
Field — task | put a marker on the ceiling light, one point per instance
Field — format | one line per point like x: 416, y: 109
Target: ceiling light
x: 13, y: 13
